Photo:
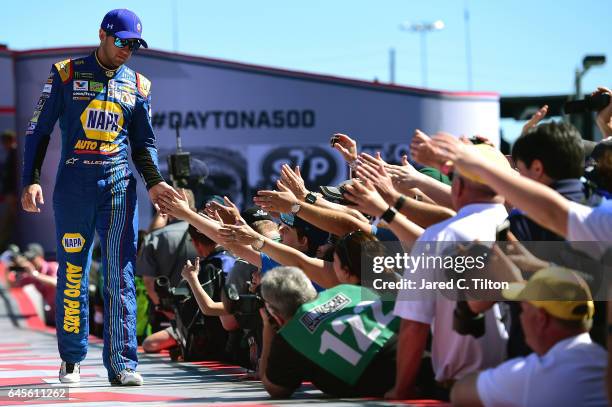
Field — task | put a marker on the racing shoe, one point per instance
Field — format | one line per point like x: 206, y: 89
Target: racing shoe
x: 128, y: 377
x: 70, y: 372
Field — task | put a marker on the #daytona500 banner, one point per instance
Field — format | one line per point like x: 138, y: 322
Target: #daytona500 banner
x: 242, y: 122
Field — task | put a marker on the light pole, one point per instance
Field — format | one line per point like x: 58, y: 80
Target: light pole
x: 587, y: 62
x: 423, y: 28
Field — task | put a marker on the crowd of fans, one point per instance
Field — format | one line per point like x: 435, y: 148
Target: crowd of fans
x: 284, y: 289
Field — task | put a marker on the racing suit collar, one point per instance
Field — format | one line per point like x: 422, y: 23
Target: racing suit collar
x: 107, y: 71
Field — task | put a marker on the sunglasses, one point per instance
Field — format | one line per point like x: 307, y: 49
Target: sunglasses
x: 133, y: 44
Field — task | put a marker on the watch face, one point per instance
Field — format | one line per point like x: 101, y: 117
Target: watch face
x: 311, y: 198
x: 295, y: 208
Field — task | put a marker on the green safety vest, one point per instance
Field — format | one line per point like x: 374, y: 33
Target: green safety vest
x: 342, y: 330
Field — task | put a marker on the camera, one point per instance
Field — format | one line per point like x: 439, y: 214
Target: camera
x: 466, y: 322
x: 179, y: 164
x: 590, y: 103
x: 242, y: 304
x: 170, y: 296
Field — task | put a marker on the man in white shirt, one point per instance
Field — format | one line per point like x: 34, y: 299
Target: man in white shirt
x: 566, y: 368
x: 479, y: 211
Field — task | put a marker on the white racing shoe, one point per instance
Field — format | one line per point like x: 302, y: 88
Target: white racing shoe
x: 70, y: 372
x: 128, y: 377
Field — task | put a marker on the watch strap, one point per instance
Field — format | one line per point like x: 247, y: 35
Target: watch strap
x: 400, y: 202
x: 389, y: 214
x: 311, y: 198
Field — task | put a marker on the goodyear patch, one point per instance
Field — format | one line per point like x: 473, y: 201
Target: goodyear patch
x: 143, y: 84
x: 102, y: 120
x: 73, y: 242
x: 65, y: 69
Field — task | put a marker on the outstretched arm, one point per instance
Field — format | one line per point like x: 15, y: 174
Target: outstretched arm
x: 422, y: 213
x: 335, y: 222
x: 317, y: 270
x: 528, y: 195
x: 365, y: 198
x: 207, y: 305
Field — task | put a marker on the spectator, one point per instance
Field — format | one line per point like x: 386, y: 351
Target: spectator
x: 345, y: 268
x: 551, y: 154
x: 566, y: 368
x: 241, y: 275
x: 34, y: 269
x: 292, y: 355
x: 479, y: 211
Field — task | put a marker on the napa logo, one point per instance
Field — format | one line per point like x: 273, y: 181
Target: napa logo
x: 73, y: 242
x: 102, y: 120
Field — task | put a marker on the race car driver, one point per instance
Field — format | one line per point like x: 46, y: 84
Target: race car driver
x: 101, y: 105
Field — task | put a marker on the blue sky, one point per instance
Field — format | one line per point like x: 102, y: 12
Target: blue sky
x: 518, y: 48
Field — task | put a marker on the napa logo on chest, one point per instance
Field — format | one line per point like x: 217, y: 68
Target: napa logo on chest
x: 73, y: 242
x: 102, y: 120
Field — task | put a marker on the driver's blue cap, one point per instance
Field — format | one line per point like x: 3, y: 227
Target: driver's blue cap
x: 123, y: 24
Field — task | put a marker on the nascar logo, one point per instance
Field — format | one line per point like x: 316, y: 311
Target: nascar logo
x: 73, y: 242
x: 102, y: 120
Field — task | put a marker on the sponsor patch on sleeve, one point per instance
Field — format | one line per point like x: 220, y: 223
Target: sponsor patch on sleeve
x: 65, y: 70
x: 143, y: 84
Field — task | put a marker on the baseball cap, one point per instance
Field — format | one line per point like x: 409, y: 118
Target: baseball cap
x: 558, y: 290
x: 33, y: 250
x: 254, y: 214
x: 490, y: 154
x: 314, y: 234
x: 123, y: 24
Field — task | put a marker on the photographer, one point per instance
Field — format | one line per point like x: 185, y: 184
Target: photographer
x: 211, y: 272
x: 599, y: 173
x: 32, y: 268
x: 237, y: 310
x: 163, y: 253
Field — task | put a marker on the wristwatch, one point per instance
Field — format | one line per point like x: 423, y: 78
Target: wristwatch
x: 258, y: 244
x: 295, y: 208
x: 389, y: 214
x: 400, y: 202
x: 311, y: 198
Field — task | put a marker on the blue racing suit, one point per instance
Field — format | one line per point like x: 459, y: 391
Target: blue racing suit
x: 99, y: 110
